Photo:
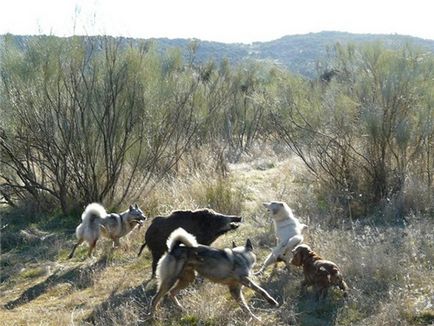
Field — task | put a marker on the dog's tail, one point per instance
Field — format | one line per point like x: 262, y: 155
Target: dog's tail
x: 336, y: 275
x: 93, y: 212
x: 90, y: 226
x: 168, y: 265
x: 180, y: 236
x: 342, y: 285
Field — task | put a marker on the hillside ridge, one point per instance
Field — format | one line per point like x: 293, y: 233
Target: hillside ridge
x: 299, y: 53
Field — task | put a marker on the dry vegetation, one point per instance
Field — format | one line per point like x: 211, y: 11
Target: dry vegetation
x: 94, y: 119
x: 388, y: 267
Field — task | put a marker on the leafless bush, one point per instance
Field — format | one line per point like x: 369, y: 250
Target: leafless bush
x: 82, y: 115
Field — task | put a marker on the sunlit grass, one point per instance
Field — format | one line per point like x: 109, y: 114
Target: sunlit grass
x: 388, y: 268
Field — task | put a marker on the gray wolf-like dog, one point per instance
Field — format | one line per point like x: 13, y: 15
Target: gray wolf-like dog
x: 318, y: 272
x: 288, y: 231
x: 231, y: 267
x: 205, y: 224
x: 96, y: 220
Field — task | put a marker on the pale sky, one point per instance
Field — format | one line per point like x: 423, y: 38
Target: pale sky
x: 227, y: 21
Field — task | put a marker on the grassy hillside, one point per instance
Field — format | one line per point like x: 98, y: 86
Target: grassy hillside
x: 298, y: 53
x: 388, y: 267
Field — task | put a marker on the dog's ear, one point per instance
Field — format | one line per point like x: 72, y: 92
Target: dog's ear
x: 131, y: 208
x: 295, y: 249
x: 296, y: 259
x: 233, y: 244
x: 136, y: 206
x: 249, y: 245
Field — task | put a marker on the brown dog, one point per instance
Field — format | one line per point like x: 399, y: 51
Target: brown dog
x: 319, y: 273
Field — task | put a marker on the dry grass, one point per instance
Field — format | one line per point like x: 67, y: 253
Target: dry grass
x: 388, y: 268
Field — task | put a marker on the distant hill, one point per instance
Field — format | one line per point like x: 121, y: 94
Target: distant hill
x: 299, y: 53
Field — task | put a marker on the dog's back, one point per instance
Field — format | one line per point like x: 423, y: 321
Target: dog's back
x: 218, y: 265
x: 286, y: 225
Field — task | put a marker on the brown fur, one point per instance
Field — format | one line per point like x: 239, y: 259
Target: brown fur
x: 319, y: 273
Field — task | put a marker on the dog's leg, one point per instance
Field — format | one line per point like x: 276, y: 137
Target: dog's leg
x: 156, y: 255
x: 164, y: 287
x: 304, y: 285
x: 236, y: 293
x: 116, y: 243
x: 273, y: 271
x: 268, y: 261
x: 293, y: 242
x: 287, y: 263
x: 91, y: 247
x: 176, y: 301
x: 185, y: 279
x: 320, y: 292
x: 75, y: 247
x: 252, y: 285
x: 344, y: 287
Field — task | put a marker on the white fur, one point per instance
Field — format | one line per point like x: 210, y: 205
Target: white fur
x: 183, y: 236
x: 167, y: 265
x: 286, y: 225
x: 93, y: 209
x: 84, y: 230
x: 288, y: 230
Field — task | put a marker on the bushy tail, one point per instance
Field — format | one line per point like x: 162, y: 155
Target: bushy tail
x: 93, y: 211
x: 168, y: 266
x: 337, y: 279
x: 341, y: 283
x: 180, y: 236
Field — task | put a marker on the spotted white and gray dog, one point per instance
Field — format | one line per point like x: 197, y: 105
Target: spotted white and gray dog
x: 96, y: 221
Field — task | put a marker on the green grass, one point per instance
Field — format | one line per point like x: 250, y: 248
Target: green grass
x: 32, y: 272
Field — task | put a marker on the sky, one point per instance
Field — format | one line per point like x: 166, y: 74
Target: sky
x: 229, y: 21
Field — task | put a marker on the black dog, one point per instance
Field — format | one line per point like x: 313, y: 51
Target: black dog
x: 205, y: 224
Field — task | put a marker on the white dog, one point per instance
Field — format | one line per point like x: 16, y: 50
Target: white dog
x: 288, y: 231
